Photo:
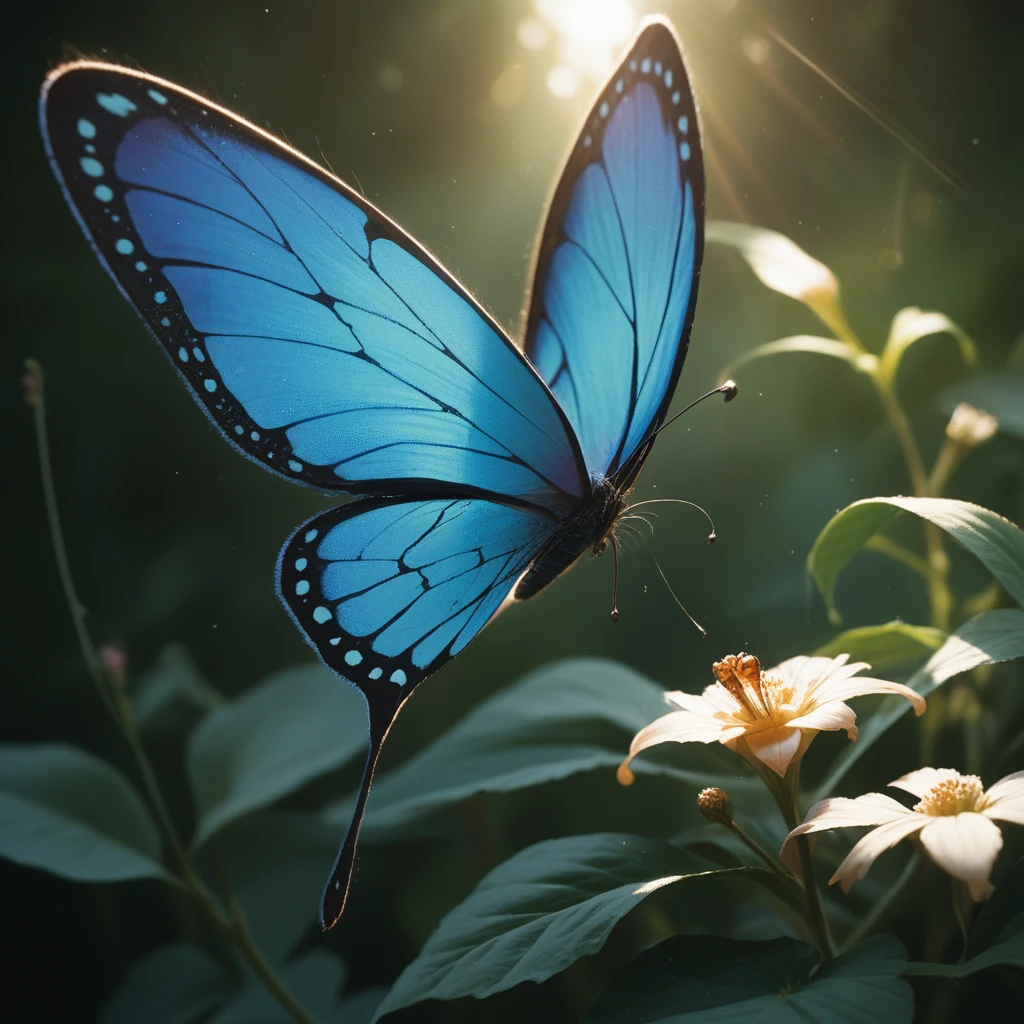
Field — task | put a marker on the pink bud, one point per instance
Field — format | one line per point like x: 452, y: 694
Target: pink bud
x: 30, y: 383
x: 113, y: 659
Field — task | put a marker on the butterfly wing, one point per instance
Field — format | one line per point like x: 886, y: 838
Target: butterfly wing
x: 615, y: 284
x: 387, y: 590
x: 320, y: 339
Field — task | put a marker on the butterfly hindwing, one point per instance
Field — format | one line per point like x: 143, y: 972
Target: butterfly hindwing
x: 320, y: 339
x: 615, y: 284
x: 387, y: 590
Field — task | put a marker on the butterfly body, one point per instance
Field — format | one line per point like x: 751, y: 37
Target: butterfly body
x: 587, y: 528
x: 328, y: 346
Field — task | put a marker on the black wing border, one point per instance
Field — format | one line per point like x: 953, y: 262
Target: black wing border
x: 657, y: 39
x: 378, y: 226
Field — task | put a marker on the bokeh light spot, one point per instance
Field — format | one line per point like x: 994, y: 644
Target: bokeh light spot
x: 563, y: 82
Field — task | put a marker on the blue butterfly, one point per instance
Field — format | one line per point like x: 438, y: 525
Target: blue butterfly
x: 331, y: 348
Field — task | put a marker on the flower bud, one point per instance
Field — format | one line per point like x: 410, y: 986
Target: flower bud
x: 970, y: 427
x: 30, y: 385
x: 114, y: 661
x: 715, y: 805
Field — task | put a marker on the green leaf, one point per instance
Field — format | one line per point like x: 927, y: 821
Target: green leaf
x: 693, y: 978
x: 784, y: 267
x: 912, y: 324
x: 995, y: 541
x: 277, y: 864
x: 360, y: 1007
x: 863, y: 362
x: 172, y: 688
x: 997, y: 935
x: 273, y: 739
x: 72, y: 814
x: 176, y: 984
x: 547, y: 726
x: 1001, y: 394
x: 777, y: 260
x: 314, y: 980
x: 542, y: 910
x: 889, y: 644
x: 1000, y: 917
x: 984, y: 640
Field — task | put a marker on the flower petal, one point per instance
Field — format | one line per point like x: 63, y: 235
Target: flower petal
x: 876, y: 842
x: 1005, y: 799
x: 965, y: 846
x: 775, y: 747
x: 675, y: 727
x: 861, y: 686
x: 722, y: 700
x: 808, y: 674
x: 842, y: 812
x: 832, y: 715
x: 919, y: 782
x: 691, y: 702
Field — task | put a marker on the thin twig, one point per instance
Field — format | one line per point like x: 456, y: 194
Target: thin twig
x: 35, y: 395
x: 110, y: 686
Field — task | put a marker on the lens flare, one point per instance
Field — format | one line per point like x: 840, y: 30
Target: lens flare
x: 589, y: 34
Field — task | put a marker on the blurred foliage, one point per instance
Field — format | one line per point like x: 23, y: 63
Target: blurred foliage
x: 437, y: 109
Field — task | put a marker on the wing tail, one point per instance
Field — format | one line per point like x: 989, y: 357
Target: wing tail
x: 335, y: 894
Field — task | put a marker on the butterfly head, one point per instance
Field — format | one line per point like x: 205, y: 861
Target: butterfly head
x: 607, y: 506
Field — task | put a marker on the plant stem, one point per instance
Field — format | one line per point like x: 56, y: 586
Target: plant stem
x: 905, y: 436
x: 878, y: 911
x: 963, y: 909
x: 236, y: 928
x: 110, y: 686
x: 35, y: 395
x: 815, y: 912
x: 940, y: 599
x: 753, y: 845
x: 831, y: 315
x: 950, y: 455
x: 785, y: 792
x: 898, y: 553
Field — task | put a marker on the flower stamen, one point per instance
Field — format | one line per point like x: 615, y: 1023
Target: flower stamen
x: 740, y: 674
x: 952, y: 796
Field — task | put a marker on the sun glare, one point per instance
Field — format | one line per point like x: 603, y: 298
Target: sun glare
x: 587, y: 34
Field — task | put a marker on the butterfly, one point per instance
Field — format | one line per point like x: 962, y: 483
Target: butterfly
x: 328, y: 346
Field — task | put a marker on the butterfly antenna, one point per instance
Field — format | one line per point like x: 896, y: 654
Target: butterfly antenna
x: 615, y: 584
x: 712, y: 536
x: 700, y: 628
x: 730, y: 389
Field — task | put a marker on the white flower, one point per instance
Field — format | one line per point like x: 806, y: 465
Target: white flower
x: 953, y: 819
x: 768, y: 717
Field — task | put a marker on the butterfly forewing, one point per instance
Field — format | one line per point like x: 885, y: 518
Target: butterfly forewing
x: 615, y: 285
x: 321, y: 340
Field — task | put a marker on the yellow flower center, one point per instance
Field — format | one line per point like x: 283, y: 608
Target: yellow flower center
x: 759, y: 695
x: 952, y: 796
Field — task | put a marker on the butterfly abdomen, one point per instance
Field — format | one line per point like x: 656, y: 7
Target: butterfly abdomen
x: 586, y: 529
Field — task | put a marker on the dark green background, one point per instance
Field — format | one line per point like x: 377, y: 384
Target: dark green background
x: 172, y: 537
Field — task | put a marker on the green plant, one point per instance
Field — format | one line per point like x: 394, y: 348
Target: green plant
x: 721, y: 925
